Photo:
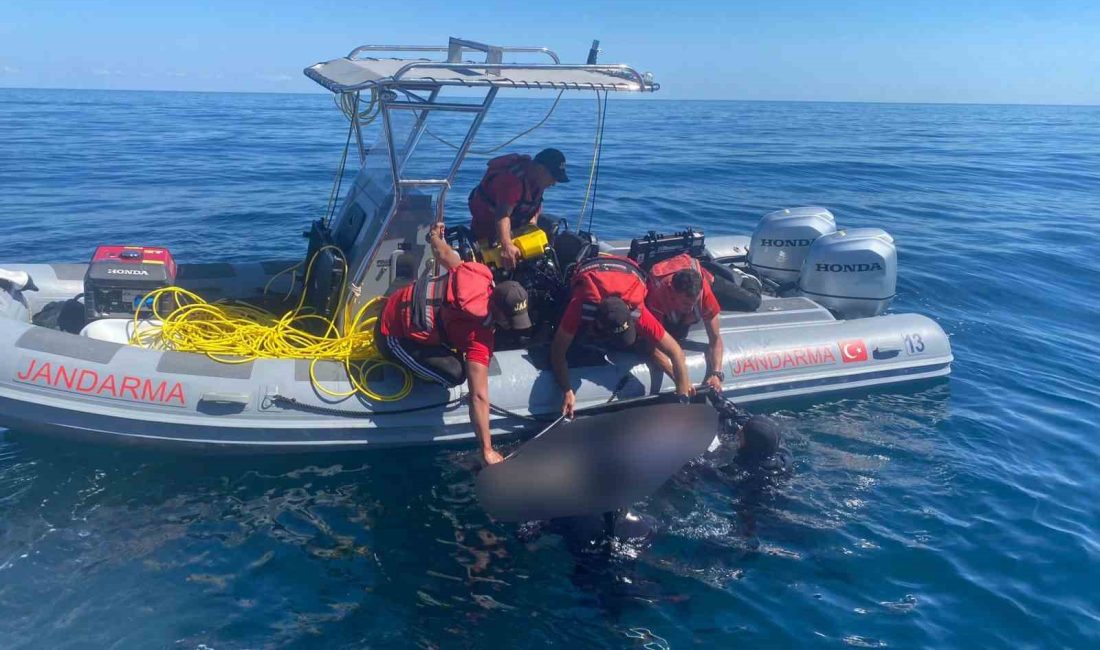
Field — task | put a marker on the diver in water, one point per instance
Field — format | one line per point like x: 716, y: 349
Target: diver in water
x: 750, y: 467
x: 759, y: 445
x: 605, y: 548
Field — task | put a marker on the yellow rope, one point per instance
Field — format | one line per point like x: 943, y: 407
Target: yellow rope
x: 239, y: 332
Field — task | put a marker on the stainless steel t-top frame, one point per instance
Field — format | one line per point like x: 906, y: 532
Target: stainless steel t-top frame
x: 415, y: 85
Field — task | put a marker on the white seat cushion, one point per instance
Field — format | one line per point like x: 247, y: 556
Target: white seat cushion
x: 116, y: 330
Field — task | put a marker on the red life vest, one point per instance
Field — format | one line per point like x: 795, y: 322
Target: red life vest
x: 464, y: 291
x: 516, y: 165
x: 608, y: 275
x: 660, y: 282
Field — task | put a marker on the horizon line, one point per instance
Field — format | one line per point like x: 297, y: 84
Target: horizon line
x: 648, y: 97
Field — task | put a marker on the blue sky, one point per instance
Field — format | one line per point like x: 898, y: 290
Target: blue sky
x: 995, y: 51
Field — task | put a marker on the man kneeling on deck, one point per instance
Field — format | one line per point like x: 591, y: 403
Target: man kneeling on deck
x: 441, y: 328
x: 680, y: 295
x: 607, y: 295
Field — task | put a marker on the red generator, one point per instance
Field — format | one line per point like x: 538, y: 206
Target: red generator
x: 119, y: 277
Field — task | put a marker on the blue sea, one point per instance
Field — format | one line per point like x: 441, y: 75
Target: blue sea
x: 962, y: 513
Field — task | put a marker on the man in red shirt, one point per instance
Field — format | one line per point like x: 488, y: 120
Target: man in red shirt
x: 680, y: 295
x: 607, y: 299
x: 510, y: 196
x: 442, y: 328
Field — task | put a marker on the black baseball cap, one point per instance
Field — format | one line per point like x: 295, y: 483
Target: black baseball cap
x: 511, y: 298
x: 616, y: 321
x: 554, y: 162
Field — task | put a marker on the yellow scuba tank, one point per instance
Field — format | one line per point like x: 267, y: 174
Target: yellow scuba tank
x: 530, y: 240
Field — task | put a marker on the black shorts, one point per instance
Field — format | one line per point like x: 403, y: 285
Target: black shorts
x: 436, y: 363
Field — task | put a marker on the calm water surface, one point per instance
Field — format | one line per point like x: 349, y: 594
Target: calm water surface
x: 961, y: 513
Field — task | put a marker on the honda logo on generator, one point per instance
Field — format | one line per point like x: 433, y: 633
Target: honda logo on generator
x: 119, y: 278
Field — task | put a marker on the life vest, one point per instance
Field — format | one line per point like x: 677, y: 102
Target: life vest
x: 605, y: 276
x: 516, y: 165
x: 463, y: 291
x: 660, y: 282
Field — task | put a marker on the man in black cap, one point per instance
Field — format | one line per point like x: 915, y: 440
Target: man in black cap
x: 607, y: 297
x: 510, y: 196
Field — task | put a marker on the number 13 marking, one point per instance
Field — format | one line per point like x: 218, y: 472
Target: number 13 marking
x: 913, y: 344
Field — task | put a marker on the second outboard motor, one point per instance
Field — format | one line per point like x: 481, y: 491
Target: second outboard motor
x: 851, y: 272
x: 782, y: 239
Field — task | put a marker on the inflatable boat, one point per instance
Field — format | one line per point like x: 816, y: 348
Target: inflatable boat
x: 71, y: 366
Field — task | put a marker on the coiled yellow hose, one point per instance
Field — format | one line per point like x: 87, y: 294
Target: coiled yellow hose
x: 232, y: 332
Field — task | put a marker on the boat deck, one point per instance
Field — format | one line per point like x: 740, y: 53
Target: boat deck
x: 775, y: 312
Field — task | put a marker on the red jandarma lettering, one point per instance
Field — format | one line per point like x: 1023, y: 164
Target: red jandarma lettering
x: 817, y: 355
x: 102, y: 384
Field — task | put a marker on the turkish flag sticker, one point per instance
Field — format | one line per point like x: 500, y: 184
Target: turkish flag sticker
x: 852, y: 351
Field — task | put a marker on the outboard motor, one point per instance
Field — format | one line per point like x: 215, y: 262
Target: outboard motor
x: 782, y: 239
x: 852, y: 272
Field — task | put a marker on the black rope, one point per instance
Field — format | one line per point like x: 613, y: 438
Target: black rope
x: 500, y: 410
x: 599, y: 155
x: 290, y: 402
x: 335, y: 198
x: 619, y: 387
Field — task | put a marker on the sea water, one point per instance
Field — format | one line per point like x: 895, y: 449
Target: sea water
x: 961, y: 513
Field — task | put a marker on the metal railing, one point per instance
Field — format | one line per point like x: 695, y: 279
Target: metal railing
x: 618, y: 69
x: 444, y: 48
x: 491, y: 68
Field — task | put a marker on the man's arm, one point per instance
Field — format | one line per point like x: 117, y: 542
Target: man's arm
x: 447, y: 257
x: 716, y: 349
x: 671, y: 348
x: 509, y: 251
x: 477, y: 380
x: 661, y: 359
x: 558, y: 350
